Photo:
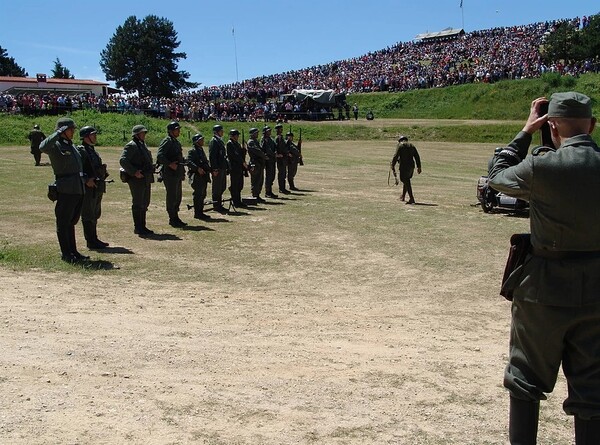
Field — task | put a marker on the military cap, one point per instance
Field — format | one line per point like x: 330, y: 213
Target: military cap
x: 197, y: 137
x: 137, y: 129
x: 217, y: 128
x: 279, y: 126
x: 570, y: 104
x: 65, y: 122
x: 86, y: 131
x: 289, y: 133
x: 402, y: 138
x: 253, y: 130
x: 36, y: 126
x: 174, y: 125
x: 233, y: 132
x: 266, y: 128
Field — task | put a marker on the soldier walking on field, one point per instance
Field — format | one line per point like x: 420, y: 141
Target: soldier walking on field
x: 170, y: 158
x: 36, y: 136
x: 406, y: 156
x: 95, y: 187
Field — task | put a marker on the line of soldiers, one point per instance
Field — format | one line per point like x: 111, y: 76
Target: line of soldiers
x: 80, y: 175
x: 224, y: 158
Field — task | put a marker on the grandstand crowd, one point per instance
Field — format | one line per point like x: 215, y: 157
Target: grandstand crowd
x: 480, y: 56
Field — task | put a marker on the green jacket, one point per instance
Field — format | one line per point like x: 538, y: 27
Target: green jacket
x: 268, y: 146
x: 136, y: 156
x: 170, y: 151
x: 562, y: 187
x: 257, y: 156
x: 66, y: 164
x: 93, y: 166
x: 406, y: 156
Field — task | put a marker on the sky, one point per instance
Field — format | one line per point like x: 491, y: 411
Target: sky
x: 232, y: 40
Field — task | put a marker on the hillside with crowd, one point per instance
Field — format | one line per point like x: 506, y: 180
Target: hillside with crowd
x: 479, y: 56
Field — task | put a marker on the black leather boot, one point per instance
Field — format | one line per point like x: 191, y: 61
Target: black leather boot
x: 523, y: 423
x: 587, y: 432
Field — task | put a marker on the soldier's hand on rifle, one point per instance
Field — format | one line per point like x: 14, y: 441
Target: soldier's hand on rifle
x: 91, y: 182
x: 201, y: 171
x: 173, y: 165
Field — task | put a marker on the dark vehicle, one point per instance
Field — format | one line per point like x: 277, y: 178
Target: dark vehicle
x: 490, y: 199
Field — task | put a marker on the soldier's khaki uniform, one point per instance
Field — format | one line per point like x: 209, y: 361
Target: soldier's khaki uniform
x: 217, y: 156
x: 36, y: 136
x: 197, y: 160
x: 556, y: 292
x: 236, y: 156
x: 170, y: 151
x: 258, y: 159
x: 69, y: 179
x: 268, y: 147
x: 91, y: 209
x: 406, y: 156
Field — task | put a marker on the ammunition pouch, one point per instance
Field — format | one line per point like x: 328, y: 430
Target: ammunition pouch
x: 125, y: 177
x: 520, y: 247
x: 52, y: 192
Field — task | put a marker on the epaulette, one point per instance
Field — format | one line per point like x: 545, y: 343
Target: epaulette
x: 541, y: 150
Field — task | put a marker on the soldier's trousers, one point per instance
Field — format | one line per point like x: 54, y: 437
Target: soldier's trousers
x: 281, y: 172
x: 291, y: 173
x: 199, y: 185
x: 67, y: 211
x: 257, y: 180
x: 174, y: 191
x: 91, y: 209
x: 237, y: 184
x: 536, y: 354
x: 269, y: 176
x: 219, y: 184
x: 141, y: 191
x: 37, y: 155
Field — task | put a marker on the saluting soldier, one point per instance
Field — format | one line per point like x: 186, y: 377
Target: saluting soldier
x: 199, y: 175
x: 258, y: 160
x: 236, y: 154
x: 170, y: 158
x: 217, y: 156
x: 268, y: 146
x: 406, y: 156
x: 69, y: 179
x: 294, y: 159
x: 136, y: 161
x: 36, y: 136
x: 282, y: 156
x: 95, y: 187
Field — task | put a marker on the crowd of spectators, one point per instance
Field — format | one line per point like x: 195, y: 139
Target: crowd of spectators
x: 480, y: 56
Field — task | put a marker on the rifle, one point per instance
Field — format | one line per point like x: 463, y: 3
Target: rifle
x: 393, y: 170
x: 300, y: 161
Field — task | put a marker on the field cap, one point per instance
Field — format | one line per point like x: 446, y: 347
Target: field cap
x: 266, y: 128
x: 197, y: 137
x: 138, y: 129
x: 253, y: 130
x: 217, y: 128
x: 65, y: 122
x: 402, y: 138
x: 570, y: 104
x: 233, y: 132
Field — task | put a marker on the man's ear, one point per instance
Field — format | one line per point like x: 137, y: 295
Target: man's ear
x: 592, y: 125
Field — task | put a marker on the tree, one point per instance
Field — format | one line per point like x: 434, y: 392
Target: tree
x: 8, y: 66
x: 590, y: 38
x: 141, y: 56
x: 61, y: 72
x: 559, y: 45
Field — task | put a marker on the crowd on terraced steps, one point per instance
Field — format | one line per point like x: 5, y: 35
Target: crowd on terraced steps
x: 479, y: 56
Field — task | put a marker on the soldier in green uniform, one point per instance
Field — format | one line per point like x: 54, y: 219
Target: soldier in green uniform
x: 199, y: 174
x: 556, y: 291
x: 294, y: 159
x: 282, y: 156
x: 36, y: 136
x: 217, y: 155
x: 236, y: 154
x: 95, y: 187
x: 258, y: 161
x: 268, y: 146
x: 170, y: 158
x: 69, y: 179
x: 406, y: 156
x: 137, y: 164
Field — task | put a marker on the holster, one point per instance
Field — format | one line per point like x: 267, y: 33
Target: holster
x: 520, y: 247
x: 124, y: 175
x: 52, y: 192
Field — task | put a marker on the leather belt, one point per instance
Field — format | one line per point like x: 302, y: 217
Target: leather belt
x: 565, y: 254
